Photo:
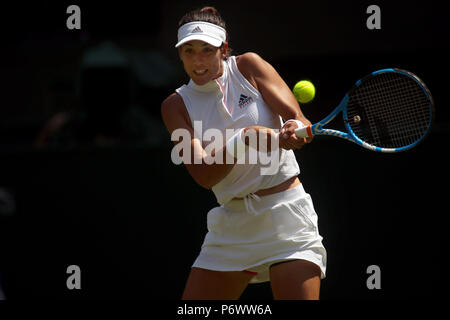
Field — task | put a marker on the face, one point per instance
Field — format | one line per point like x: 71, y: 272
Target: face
x: 202, y: 61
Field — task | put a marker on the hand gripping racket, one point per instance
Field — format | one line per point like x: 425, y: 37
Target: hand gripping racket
x: 389, y: 110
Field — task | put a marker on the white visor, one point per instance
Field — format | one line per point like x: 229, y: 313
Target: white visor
x: 200, y: 30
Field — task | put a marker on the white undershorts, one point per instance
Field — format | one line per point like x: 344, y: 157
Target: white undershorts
x: 253, y: 233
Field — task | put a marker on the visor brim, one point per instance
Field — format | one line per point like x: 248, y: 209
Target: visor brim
x: 205, y: 38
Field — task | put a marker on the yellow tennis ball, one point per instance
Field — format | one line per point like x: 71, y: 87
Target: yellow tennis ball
x: 304, y: 91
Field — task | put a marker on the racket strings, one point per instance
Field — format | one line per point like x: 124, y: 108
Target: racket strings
x: 394, y: 110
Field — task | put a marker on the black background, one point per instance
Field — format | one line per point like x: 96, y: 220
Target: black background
x: 134, y: 222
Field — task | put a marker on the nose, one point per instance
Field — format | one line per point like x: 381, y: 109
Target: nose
x: 198, y: 59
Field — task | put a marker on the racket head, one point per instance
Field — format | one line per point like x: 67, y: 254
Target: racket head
x: 389, y: 110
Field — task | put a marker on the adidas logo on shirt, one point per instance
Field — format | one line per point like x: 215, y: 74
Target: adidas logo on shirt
x: 197, y: 30
x: 244, y: 101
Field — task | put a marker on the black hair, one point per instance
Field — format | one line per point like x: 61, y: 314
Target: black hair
x: 207, y: 14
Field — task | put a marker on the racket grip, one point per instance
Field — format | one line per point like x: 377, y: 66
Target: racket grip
x: 304, y: 132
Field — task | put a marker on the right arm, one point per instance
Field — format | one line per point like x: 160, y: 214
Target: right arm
x: 175, y: 116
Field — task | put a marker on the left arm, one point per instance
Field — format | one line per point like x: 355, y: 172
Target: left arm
x: 277, y: 95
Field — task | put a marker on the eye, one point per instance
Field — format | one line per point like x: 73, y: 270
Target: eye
x: 188, y: 50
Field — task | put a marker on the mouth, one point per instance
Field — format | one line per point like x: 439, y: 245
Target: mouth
x: 200, y: 72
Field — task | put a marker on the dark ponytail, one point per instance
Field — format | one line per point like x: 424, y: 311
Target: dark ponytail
x: 206, y: 14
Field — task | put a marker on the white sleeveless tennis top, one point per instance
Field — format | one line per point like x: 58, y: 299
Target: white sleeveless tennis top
x: 231, y: 102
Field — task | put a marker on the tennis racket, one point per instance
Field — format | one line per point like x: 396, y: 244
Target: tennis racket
x: 389, y: 110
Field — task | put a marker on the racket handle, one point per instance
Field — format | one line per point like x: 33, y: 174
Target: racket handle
x: 304, y: 132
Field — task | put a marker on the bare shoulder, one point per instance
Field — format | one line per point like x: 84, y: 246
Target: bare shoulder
x: 173, y: 111
x: 249, y: 62
x: 251, y: 65
x: 174, y: 101
x: 249, y: 58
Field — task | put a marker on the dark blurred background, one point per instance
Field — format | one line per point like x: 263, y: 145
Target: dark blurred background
x: 85, y: 171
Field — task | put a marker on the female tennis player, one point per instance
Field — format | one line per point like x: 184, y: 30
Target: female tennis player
x: 265, y: 228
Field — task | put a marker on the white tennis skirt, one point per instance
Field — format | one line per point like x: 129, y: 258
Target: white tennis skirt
x: 253, y: 233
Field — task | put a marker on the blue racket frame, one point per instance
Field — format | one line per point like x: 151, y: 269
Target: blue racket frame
x: 317, y: 128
